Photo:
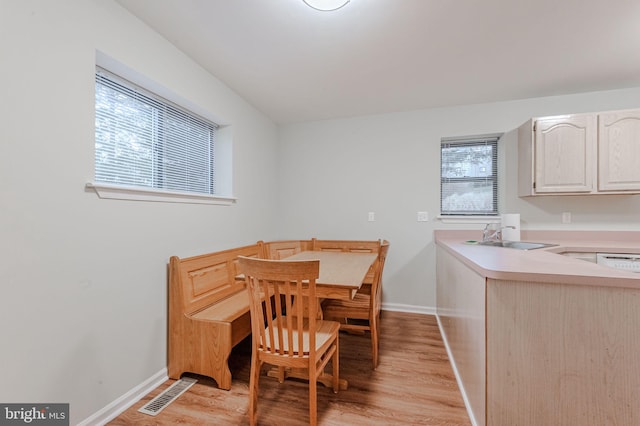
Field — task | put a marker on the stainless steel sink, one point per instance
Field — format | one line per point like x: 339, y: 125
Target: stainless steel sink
x: 519, y: 245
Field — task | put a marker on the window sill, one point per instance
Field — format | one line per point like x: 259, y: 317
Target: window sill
x: 469, y: 219
x: 120, y: 192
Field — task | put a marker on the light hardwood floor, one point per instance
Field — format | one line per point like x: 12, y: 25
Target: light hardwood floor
x: 413, y: 385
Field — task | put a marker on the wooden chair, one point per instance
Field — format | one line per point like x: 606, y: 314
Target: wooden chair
x: 282, y: 339
x: 364, y: 307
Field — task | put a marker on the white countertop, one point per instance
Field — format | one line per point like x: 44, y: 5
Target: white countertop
x: 546, y: 264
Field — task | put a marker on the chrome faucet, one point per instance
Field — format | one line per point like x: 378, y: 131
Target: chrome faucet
x: 493, y: 233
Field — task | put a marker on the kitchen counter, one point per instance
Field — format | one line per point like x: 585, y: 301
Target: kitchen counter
x: 546, y: 264
x: 536, y: 337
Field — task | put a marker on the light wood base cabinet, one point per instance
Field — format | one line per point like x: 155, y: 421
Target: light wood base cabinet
x: 561, y: 354
x: 548, y: 353
x: 461, y: 315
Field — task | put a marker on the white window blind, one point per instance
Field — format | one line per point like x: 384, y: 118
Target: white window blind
x: 469, y: 177
x: 143, y: 140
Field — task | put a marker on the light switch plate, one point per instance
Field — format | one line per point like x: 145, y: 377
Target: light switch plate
x: 423, y: 216
x: 372, y: 216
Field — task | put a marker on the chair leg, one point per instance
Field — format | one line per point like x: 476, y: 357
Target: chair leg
x: 335, y: 362
x: 313, y: 397
x: 374, y: 340
x: 253, y: 389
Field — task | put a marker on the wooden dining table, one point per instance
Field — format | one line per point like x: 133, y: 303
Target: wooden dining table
x: 341, y: 275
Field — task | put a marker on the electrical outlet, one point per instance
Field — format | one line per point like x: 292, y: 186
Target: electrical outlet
x: 372, y: 216
x: 423, y: 216
x: 566, y: 217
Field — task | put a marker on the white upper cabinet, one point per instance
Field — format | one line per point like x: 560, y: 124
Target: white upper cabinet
x: 619, y: 151
x: 580, y: 154
x: 565, y: 149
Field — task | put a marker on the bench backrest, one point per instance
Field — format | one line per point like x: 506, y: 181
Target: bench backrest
x: 202, y: 280
x: 277, y: 250
x: 356, y: 246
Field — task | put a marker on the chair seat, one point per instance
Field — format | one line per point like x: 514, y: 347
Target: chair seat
x: 325, y: 330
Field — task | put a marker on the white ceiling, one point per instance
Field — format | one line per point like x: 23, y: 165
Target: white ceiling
x: 377, y: 56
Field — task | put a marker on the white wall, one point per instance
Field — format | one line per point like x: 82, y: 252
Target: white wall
x: 83, y: 305
x: 339, y: 170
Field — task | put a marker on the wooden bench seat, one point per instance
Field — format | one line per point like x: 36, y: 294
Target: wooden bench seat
x: 226, y: 310
x: 208, y: 313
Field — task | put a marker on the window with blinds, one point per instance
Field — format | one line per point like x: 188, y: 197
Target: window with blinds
x: 144, y: 141
x: 469, y: 177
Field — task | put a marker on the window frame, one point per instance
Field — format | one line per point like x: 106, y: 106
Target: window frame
x: 222, y: 155
x: 473, y: 216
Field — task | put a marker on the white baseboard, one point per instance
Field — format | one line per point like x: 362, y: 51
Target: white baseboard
x: 409, y: 308
x: 118, y: 406
x: 467, y: 404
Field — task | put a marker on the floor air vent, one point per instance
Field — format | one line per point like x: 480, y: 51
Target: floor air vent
x: 158, y: 403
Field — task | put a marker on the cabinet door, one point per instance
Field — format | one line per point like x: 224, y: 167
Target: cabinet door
x: 565, y: 149
x: 619, y: 151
